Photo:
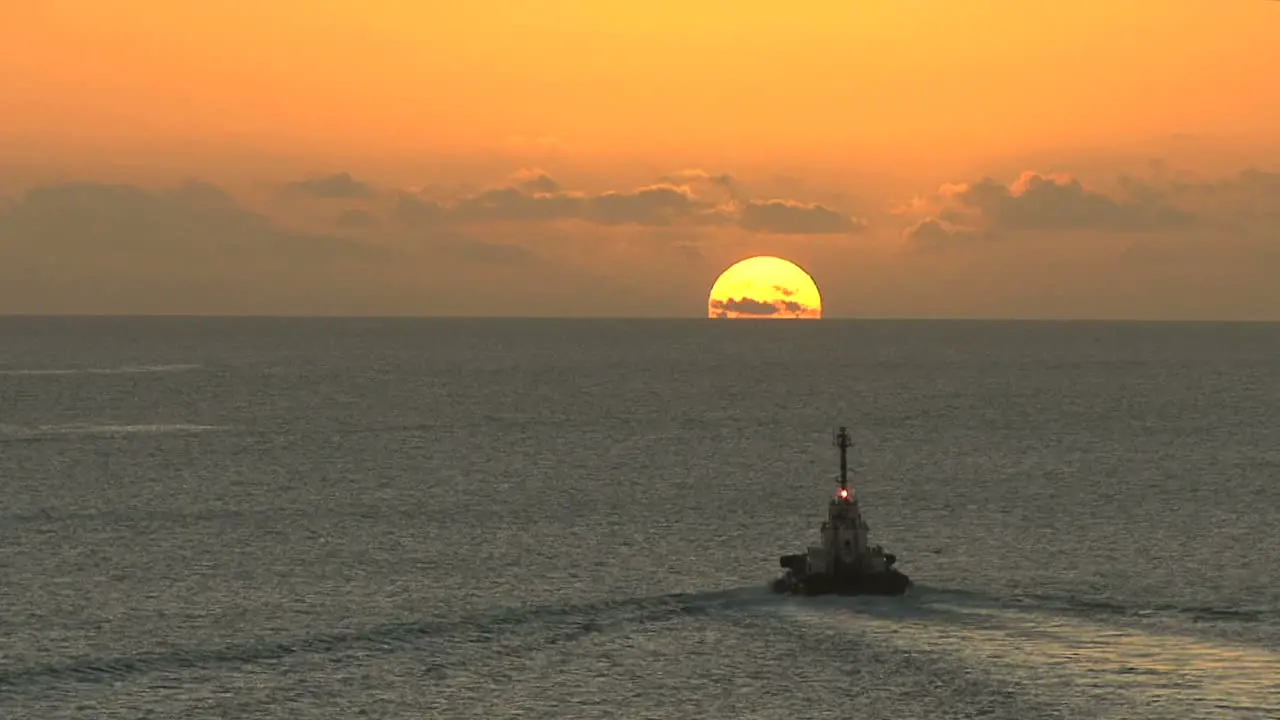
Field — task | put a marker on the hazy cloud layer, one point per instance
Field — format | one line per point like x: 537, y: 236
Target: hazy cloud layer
x: 90, y: 247
x: 339, y: 185
x: 1038, y: 202
x: 1167, y: 244
x: 94, y: 247
x: 357, y: 219
x: 534, y: 244
x: 1248, y: 197
x: 535, y: 197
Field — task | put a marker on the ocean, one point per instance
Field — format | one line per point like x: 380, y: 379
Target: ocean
x: 409, y: 518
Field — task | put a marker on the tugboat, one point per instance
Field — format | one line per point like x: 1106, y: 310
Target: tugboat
x: 845, y: 563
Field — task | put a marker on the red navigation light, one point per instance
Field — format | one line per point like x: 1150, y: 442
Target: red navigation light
x: 844, y: 493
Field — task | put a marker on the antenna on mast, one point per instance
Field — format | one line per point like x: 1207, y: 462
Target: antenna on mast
x: 841, y: 440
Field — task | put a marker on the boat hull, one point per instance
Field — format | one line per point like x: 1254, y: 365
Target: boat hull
x: 797, y: 581
x: 890, y: 582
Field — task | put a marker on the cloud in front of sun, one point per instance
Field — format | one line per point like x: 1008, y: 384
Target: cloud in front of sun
x: 764, y: 287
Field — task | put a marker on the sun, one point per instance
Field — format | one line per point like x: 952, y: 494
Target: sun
x: 765, y: 287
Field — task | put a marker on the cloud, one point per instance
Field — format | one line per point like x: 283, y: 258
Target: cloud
x: 656, y: 205
x: 336, y: 186
x: 932, y: 232
x: 414, y: 211
x: 653, y: 205
x: 746, y: 306
x: 533, y: 196
x: 724, y: 181
x: 1045, y: 202
x: 791, y: 217
x: 534, y: 181
x: 694, y: 174
x: 1251, y: 195
x: 511, y: 204
x: 757, y: 308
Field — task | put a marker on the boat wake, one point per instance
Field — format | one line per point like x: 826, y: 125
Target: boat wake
x: 16, y: 433
x: 123, y: 370
x: 507, y: 633
x: 1041, y: 640
x: 1092, y: 607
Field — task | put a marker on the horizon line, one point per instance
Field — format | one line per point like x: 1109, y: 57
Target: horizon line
x: 638, y: 318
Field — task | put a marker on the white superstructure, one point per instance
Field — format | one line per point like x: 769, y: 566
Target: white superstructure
x: 844, y: 546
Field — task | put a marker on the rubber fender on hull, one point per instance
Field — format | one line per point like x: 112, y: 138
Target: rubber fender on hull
x: 797, y: 563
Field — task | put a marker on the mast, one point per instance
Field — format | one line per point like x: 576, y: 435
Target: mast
x: 843, y: 442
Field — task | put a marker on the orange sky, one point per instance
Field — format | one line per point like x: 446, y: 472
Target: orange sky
x: 911, y: 76
x: 858, y: 106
